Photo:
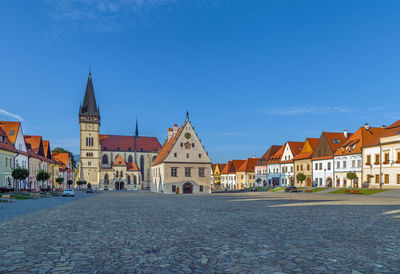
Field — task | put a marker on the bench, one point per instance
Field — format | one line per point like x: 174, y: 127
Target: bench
x: 6, y: 197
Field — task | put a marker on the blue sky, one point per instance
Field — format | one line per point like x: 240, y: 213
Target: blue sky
x: 251, y: 73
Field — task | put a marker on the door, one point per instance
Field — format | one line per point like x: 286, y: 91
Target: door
x: 187, y: 188
x: 121, y: 186
x: 309, y: 183
x: 116, y: 186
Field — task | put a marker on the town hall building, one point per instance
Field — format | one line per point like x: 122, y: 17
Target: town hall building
x: 112, y: 162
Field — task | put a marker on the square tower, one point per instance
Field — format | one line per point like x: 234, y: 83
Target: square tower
x: 89, y: 121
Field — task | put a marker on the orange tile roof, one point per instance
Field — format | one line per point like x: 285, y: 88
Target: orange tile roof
x: 220, y: 166
x: 330, y: 136
x: 167, y: 146
x: 119, y: 161
x: 226, y: 168
x: 132, y: 166
x: 11, y: 127
x: 248, y: 165
x: 305, y: 155
x: 394, y: 125
x: 34, y: 141
x: 62, y: 158
x: 356, y: 141
x: 236, y: 165
x: 46, y: 148
x: 6, y: 144
x: 267, y: 155
x: 322, y: 158
x: 274, y: 159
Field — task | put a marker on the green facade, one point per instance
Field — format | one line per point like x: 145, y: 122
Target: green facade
x: 6, y: 167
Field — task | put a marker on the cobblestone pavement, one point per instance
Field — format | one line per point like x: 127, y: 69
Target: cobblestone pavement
x: 21, y: 207
x: 249, y: 232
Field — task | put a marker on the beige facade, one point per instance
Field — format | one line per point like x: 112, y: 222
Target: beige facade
x: 182, y: 166
x: 381, y: 163
x: 303, y: 166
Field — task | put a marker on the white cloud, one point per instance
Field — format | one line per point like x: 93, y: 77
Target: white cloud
x: 308, y: 110
x: 101, y: 15
x: 6, y: 113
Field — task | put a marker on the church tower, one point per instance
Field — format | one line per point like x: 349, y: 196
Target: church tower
x: 89, y: 121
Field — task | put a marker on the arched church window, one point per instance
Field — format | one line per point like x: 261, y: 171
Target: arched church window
x: 134, y: 180
x: 129, y: 179
x: 121, y: 174
x: 142, y: 165
x: 105, y: 159
x: 106, y: 178
x: 154, y: 158
x: 116, y: 174
x: 130, y: 159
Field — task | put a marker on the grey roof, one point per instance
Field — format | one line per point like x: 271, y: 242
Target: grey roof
x: 89, y: 106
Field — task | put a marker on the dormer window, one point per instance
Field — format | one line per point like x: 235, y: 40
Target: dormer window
x: 129, y: 149
x: 11, y: 132
x: 117, y: 148
x: 1, y: 138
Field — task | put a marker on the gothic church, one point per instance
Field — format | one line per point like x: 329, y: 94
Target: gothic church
x: 112, y: 162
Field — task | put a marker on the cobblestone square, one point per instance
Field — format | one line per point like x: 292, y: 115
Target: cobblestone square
x: 118, y: 232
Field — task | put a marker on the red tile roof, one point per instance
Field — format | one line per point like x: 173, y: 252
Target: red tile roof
x: 248, y: 165
x: 331, y: 136
x: 322, y: 158
x: 267, y: 155
x: 126, y: 143
x: 34, y: 142
x: 274, y: 159
x: 62, y: 158
x: 11, y: 129
x: 295, y: 147
x: 305, y: 155
x: 232, y: 166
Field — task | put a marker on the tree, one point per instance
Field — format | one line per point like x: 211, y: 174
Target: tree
x: 301, y: 177
x: 20, y: 173
x: 258, y: 180
x: 61, y: 150
x: 42, y: 176
x: 351, y: 176
x: 59, y: 181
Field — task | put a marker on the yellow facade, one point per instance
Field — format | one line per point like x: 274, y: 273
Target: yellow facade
x: 304, y: 165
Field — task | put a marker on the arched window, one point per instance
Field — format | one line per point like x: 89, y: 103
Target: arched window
x: 116, y: 173
x: 134, y: 180
x: 154, y: 158
x: 105, y: 159
x: 129, y: 179
x: 121, y: 174
x: 106, y: 178
x: 130, y: 159
x: 142, y: 165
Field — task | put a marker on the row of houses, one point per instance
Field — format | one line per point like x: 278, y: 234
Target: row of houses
x: 369, y: 157
x: 32, y: 153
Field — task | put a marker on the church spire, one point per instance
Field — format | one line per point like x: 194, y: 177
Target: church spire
x: 89, y: 106
x: 137, y: 129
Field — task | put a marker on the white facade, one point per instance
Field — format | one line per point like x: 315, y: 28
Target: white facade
x: 345, y: 164
x: 21, y: 160
x: 287, y: 169
x: 323, y: 172
x: 231, y: 181
x: 261, y: 173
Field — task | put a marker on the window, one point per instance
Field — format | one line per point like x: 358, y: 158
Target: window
x: 316, y: 166
x: 291, y: 169
x: 201, y: 172
x: 320, y: 166
x: 386, y: 158
x: 398, y: 178
x: 173, y: 188
x: 130, y: 159
x: 121, y: 174
x: 175, y: 154
x: 376, y: 178
x: 89, y: 163
x: 129, y: 179
x: 1, y: 138
x: 329, y: 166
x: 398, y: 157
x: 174, y: 171
x: 188, y: 172
x: 201, y: 189
x: 368, y: 179
x: 105, y: 159
x: 353, y: 163
x: 386, y: 178
x: 199, y: 155
x: 359, y: 163
x: 11, y: 132
x: 297, y: 168
x: 181, y: 144
x: 376, y: 159
x: 187, y: 155
x: 308, y: 167
x: 368, y: 160
x: 89, y: 154
x: 192, y: 144
x: 344, y: 164
x: 337, y: 165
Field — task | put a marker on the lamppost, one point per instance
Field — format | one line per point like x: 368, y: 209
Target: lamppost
x: 324, y: 176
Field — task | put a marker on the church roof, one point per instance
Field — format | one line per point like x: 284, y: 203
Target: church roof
x: 127, y: 143
x: 132, y: 166
x: 89, y: 106
x: 119, y: 161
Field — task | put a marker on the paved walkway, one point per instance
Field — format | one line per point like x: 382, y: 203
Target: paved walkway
x: 248, y: 232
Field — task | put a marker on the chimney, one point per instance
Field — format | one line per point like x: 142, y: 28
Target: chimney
x: 366, y: 126
x: 175, y: 128
x: 346, y: 133
x: 383, y: 126
x: 170, y: 133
